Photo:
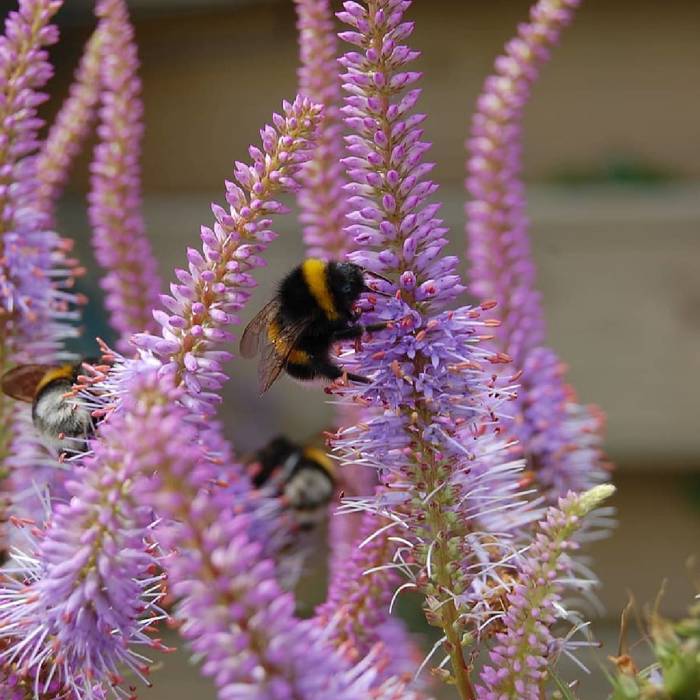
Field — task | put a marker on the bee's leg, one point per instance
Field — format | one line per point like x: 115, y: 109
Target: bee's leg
x: 373, y: 327
x: 333, y: 372
x: 360, y: 379
x: 358, y: 330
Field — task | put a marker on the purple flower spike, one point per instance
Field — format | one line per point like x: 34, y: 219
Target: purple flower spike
x: 433, y: 436
x: 34, y: 270
x: 560, y: 438
x: 36, y: 274
x: 499, y: 247
x: 216, y: 285
x: 24, y: 70
x: 323, y: 206
x: 526, y: 648
x: 357, y: 611
x: 71, y: 125
x: 232, y: 610
x: 121, y: 247
x: 95, y: 582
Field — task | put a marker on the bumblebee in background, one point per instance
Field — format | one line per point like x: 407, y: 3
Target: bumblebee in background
x: 62, y: 421
x: 304, y: 476
x: 313, y: 308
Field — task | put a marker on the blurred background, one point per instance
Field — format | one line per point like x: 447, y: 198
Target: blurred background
x: 612, y: 155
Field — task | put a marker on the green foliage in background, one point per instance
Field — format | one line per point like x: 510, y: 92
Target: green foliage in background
x: 675, y: 675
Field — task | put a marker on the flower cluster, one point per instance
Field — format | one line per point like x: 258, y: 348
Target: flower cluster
x: 96, y: 582
x: 232, y: 605
x: 131, y: 282
x: 435, y: 439
x: 217, y: 283
x: 321, y: 198
x: 157, y: 510
x: 72, y: 123
x: 36, y: 273
x: 524, y: 649
x: 560, y: 438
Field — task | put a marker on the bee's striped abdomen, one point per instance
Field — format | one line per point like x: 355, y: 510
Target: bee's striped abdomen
x: 296, y: 357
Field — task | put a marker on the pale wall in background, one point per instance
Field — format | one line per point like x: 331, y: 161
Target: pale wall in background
x: 622, y: 82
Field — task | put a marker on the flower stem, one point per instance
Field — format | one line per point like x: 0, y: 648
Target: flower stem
x: 449, y: 615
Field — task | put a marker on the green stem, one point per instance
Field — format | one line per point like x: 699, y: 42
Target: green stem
x: 448, y: 611
x: 449, y: 618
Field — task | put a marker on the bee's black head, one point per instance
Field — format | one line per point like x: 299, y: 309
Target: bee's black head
x: 347, y: 282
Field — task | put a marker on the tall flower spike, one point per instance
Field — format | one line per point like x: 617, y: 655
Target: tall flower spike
x: 216, y: 285
x: 560, y: 438
x: 36, y: 275
x: 323, y: 210
x: 321, y: 198
x: 93, y: 593
x: 131, y: 282
x: 357, y: 611
x: 527, y: 647
x: 233, y: 612
x: 33, y: 267
x: 71, y: 125
x: 24, y: 70
x: 434, y: 438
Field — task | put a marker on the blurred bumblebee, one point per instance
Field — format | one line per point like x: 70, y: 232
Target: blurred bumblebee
x: 313, y: 308
x: 304, y: 476
x: 60, y: 418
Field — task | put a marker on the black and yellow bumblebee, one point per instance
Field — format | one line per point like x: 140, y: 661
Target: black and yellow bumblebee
x: 303, y: 475
x: 61, y: 419
x: 313, y: 308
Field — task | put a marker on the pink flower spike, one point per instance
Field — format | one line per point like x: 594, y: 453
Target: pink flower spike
x: 37, y: 300
x: 131, y: 282
x: 217, y: 283
x: 72, y: 124
x: 322, y: 203
x: 534, y: 604
x: 560, y: 438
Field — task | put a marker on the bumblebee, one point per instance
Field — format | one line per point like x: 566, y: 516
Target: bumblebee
x: 62, y: 421
x: 303, y: 476
x: 313, y: 308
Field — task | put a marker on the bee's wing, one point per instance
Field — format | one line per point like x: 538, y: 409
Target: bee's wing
x: 275, y: 353
x: 256, y: 330
x: 20, y: 382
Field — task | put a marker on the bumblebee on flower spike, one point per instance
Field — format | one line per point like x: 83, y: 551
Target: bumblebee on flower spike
x: 61, y: 419
x: 313, y: 308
